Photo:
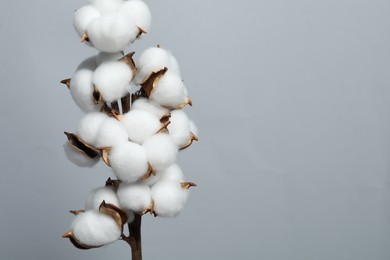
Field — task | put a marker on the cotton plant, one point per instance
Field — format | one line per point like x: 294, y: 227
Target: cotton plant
x: 134, y: 123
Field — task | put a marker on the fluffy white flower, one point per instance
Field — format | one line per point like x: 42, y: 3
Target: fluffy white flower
x: 112, y: 32
x: 83, y: 16
x: 128, y: 161
x: 89, y: 127
x: 79, y: 158
x: 93, y: 228
x: 106, y: 56
x: 111, y: 132
x: 169, y: 198
x: 135, y: 196
x: 112, y: 79
x: 161, y: 151
x: 139, y: 12
x: 81, y: 88
x: 169, y: 91
x: 153, y: 60
x: 179, y: 129
x: 106, y: 6
x: 96, y: 197
x: 149, y: 106
x: 140, y: 125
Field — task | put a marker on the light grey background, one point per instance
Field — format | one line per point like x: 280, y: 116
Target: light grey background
x: 292, y: 102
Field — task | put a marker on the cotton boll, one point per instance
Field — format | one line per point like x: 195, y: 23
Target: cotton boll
x: 152, y: 60
x: 179, y: 129
x: 106, y: 56
x: 135, y: 196
x: 139, y: 12
x: 83, y: 16
x: 140, y: 125
x: 106, y: 6
x: 97, y: 196
x: 89, y: 127
x: 111, y: 132
x: 81, y: 88
x: 169, y: 91
x: 161, y: 151
x: 93, y: 228
x: 149, y: 106
x: 79, y: 158
x: 112, y: 32
x: 169, y: 198
x: 193, y: 128
x: 112, y: 80
x: 128, y: 161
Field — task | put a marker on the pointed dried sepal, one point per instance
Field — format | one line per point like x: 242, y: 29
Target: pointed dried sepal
x: 76, y: 243
x: 141, y: 31
x: 187, y: 101
x: 192, y: 139
x: 120, y: 216
x: 111, y: 112
x: 165, y: 118
x: 150, y: 83
x: 115, y: 107
x: 187, y: 185
x: 66, y: 82
x: 76, y: 212
x: 82, y: 146
x: 105, y: 155
x: 113, y: 183
x: 128, y: 59
x: 149, y: 210
x: 151, y: 171
x: 164, y: 128
x: 126, y: 103
x: 85, y: 38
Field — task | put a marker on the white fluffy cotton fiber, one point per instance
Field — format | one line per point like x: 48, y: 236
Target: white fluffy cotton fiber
x: 83, y: 16
x: 112, y: 79
x: 135, y: 196
x: 140, y: 125
x: 128, y: 161
x: 89, y: 127
x: 98, y: 195
x: 161, y: 151
x: 169, y: 91
x: 106, y: 57
x: 139, y: 12
x: 93, y: 228
x: 169, y: 198
x: 81, y: 89
x: 111, y: 132
x: 179, y: 129
x: 149, y: 106
x: 112, y: 32
x: 79, y: 158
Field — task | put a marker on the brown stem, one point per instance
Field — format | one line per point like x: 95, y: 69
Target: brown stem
x: 134, y: 239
